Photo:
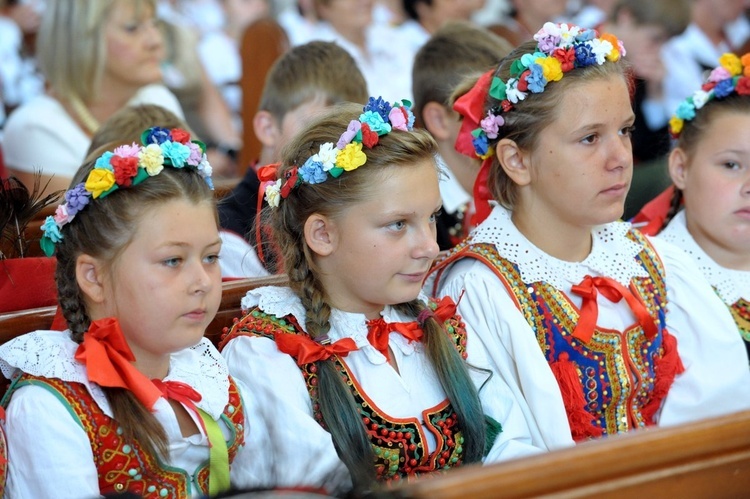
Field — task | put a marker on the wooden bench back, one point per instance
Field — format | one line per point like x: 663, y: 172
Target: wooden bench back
x: 708, y: 458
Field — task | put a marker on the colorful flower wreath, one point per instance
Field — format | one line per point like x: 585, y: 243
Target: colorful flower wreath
x: 126, y: 166
x: 378, y: 118
x: 560, y: 49
x: 732, y: 75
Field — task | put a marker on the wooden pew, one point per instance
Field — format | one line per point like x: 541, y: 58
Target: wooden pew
x: 14, y: 324
x: 709, y: 458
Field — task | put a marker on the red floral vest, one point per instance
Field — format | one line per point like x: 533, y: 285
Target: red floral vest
x: 399, y: 444
x: 123, y: 466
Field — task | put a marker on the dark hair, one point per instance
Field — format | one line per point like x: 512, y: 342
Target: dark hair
x: 397, y: 149
x: 693, y: 131
x: 103, y: 229
x: 410, y: 7
x: 530, y: 116
x: 456, y: 51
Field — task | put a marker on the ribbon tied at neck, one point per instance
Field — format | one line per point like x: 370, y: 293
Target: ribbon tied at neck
x: 305, y: 350
x: 589, y: 288
x: 379, y: 331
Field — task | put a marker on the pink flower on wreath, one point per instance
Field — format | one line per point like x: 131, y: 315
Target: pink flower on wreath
x: 718, y: 74
x: 62, y: 216
x: 196, y: 153
x: 127, y: 151
x: 491, y: 125
x: 399, y: 119
x: 348, y: 135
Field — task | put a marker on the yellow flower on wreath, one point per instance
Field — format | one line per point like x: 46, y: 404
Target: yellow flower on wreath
x: 731, y: 63
x: 351, y: 157
x: 99, y: 180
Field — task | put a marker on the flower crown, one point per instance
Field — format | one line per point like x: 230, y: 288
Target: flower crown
x: 560, y: 49
x: 731, y: 75
x: 378, y: 118
x: 126, y: 166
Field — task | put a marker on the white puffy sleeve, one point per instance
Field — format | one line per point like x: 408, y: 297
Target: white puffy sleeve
x: 716, y: 380
x: 499, y: 339
x: 290, y: 448
x: 49, y: 452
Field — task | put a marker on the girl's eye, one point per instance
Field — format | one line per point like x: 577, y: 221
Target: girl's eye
x: 628, y: 131
x: 172, y: 262
x: 589, y: 139
x: 434, y: 216
x: 397, y: 226
x: 732, y: 165
x: 211, y: 259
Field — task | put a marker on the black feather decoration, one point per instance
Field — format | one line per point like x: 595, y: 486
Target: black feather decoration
x: 19, y: 207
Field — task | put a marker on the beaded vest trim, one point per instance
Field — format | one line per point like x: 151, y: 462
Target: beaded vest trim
x: 741, y: 313
x: 615, y: 369
x: 398, y: 443
x: 123, y: 466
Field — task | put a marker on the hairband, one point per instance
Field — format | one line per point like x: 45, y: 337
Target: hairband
x: 378, y: 118
x: 560, y: 49
x: 124, y: 167
x: 732, y: 75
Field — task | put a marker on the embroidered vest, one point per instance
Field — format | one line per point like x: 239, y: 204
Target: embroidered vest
x: 123, y: 466
x: 616, y: 370
x: 399, y: 444
x: 741, y: 313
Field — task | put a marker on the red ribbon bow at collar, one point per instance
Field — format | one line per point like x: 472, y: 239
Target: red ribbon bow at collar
x: 614, y: 292
x: 109, y: 361
x: 306, y: 350
x: 179, y: 392
x: 379, y: 332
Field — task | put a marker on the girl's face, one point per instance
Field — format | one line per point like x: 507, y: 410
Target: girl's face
x: 580, y: 170
x: 134, y: 47
x: 382, y: 247
x: 165, y: 287
x: 715, y: 180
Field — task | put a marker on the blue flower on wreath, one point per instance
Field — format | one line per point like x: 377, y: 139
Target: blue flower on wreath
x: 376, y: 122
x: 584, y: 55
x: 536, y: 80
x: 481, y: 144
x: 312, y: 172
x: 157, y: 135
x: 724, y: 88
x: 103, y: 161
x: 76, y: 198
x: 685, y: 111
x: 379, y: 106
x: 51, y: 230
x: 177, y: 153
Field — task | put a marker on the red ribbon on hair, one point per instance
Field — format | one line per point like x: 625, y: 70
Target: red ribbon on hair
x: 471, y: 107
x: 482, y: 194
x: 306, y: 351
x: 266, y: 173
x: 614, y: 292
x: 109, y: 361
x: 379, y: 332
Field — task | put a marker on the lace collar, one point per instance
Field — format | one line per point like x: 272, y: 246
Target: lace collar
x: 51, y: 354
x: 612, y: 253
x: 282, y: 301
x: 730, y: 284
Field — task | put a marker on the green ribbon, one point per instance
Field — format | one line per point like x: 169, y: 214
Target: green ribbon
x: 218, y: 457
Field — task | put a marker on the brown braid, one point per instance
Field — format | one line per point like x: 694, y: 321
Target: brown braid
x: 675, y: 205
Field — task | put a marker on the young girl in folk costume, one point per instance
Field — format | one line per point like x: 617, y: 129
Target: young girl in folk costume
x: 350, y: 351
x: 710, y: 168
x: 600, y: 330
x: 132, y: 397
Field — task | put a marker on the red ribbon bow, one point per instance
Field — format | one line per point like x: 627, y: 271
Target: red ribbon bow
x: 109, y: 361
x: 379, y: 331
x: 614, y: 292
x: 306, y: 351
x: 178, y: 391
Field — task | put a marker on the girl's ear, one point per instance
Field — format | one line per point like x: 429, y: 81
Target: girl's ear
x: 678, y: 162
x: 90, y: 277
x: 321, y: 234
x: 266, y: 128
x: 435, y: 117
x: 513, y: 161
